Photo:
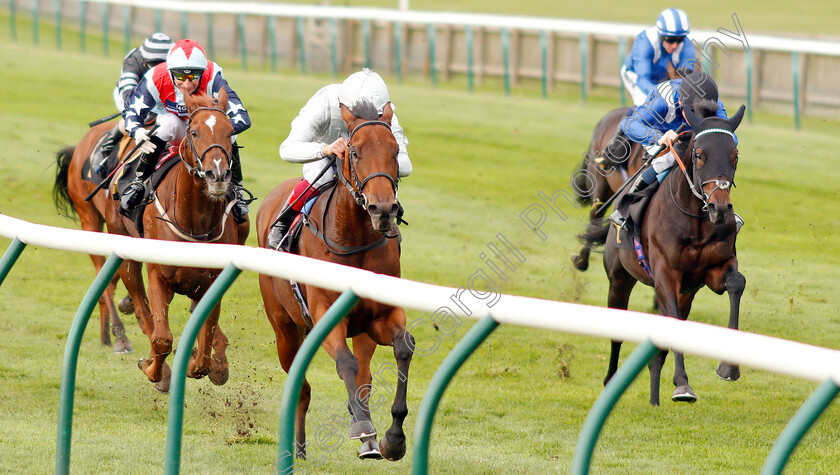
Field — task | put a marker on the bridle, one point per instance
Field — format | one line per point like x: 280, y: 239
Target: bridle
x: 356, y: 189
x: 693, y: 182
x: 197, y: 170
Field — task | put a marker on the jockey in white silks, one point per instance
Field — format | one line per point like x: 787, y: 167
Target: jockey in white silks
x: 319, y: 132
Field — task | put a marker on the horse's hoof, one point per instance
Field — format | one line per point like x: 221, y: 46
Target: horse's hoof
x: 122, y: 345
x: 126, y: 305
x: 580, y: 263
x: 218, y: 376
x: 728, y: 372
x: 369, y: 449
x: 362, y: 429
x: 684, y: 394
x: 163, y: 384
x: 392, y: 452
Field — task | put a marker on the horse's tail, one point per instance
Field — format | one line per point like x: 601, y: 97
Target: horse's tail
x: 580, y: 183
x: 596, y: 232
x: 61, y: 192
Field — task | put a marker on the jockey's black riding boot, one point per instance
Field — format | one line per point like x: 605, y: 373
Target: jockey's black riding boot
x: 133, y: 194
x: 106, y: 148
x: 644, y: 180
x: 240, y: 209
x: 281, y: 227
x: 616, y: 152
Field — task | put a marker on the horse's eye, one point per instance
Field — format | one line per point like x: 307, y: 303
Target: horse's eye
x: 192, y: 132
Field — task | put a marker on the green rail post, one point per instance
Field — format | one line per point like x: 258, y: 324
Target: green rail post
x: 432, y: 61
x: 175, y: 426
x: 240, y: 20
x: 57, y: 4
x: 158, y: 19
x: 794, y: 66
x: 451, y: 364
x: 210, y: 47
x: 584, y: 60
x: 294, y: 381
x: 398, y: 50
x: 301, y: 44
x: 544, y: 61
x: 468, y: 33
x: 82, y: 25
x: 10, y: 257
x: 71, y: 357
x: 622, y: 52
x: 366, y: 37
x: 798, y: 426
x: 184, y: 19
x: 272, y: 39
x: 750, y: 100
x: 127, y: 29
x: 35, y: 22
x: 105, y: 26
x: 605, y: 402
x: 334, y: 46
x: 13, y: 20
x: 506, y: 58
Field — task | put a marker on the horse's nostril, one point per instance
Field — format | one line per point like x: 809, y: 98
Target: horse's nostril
x: 209, y: 175
x: 373, y: 209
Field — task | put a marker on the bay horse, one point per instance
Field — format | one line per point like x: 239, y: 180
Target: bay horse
x: 688, y: 235
x: 355, y: 220
x: 189, y: 205
x: 594, y: 185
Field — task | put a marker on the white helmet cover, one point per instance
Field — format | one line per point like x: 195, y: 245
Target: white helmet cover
x: 186, y: 55
x: 364, y: 84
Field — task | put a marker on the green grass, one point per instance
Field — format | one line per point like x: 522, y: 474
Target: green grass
x: 480, y: 159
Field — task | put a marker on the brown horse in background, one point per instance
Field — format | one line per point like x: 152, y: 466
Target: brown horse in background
x: 688, y: 235
x: 594, y: 185
x: 355, y: 220
x: 189, y: 205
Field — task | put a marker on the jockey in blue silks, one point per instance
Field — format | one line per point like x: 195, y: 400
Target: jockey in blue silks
x: 654, y: 123
x: 647, y: 65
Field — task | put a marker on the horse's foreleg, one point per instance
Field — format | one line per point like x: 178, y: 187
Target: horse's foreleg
x: 109, y: 318
x: 155, y: 367
x: 363, y: 349
x: 347, y: 367
x: 201, y: 358
x: 734, y: 283
x: 621, y: 285
x: 671, y: 304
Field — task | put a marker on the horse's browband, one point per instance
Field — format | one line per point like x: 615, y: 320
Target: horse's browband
x: 711, y: 131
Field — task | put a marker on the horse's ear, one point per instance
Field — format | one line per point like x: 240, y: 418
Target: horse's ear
x: 387, y: 114
x: 693, y: 120
x: 348, y: 117
x: 222, y: 101
x: 735, y: 120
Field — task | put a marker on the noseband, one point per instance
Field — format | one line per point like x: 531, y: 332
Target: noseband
x: 357, y: 188
x: 197, y: 170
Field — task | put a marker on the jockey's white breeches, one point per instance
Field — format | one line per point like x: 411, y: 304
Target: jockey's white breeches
x: 629, y: 78
x: 312, y: 169
x: 662, y: 162
x: 170, y: 127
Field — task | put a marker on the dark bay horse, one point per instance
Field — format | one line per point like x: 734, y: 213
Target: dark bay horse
x: 594, y: 185
x: 688, y: 235
x: 190, y: 204
x: 355, y: 220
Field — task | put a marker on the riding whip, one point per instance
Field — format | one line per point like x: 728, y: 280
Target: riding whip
x: 119, y: 165
x: 635, y: 175
x: 105, y: 119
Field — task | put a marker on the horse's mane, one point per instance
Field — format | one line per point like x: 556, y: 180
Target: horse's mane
x: 204, y: 100
x: 705, y: 108
x: 364, y: 109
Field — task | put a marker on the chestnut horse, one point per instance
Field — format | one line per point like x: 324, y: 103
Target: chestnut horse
x: 355, y: 222
x: 189, y: 204
x: 688, y: 235
x: 594, y: 185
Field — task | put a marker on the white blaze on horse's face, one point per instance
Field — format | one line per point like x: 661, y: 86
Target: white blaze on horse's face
x: 211, y: 121
x: 218, y: 162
